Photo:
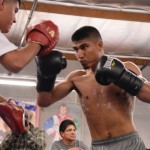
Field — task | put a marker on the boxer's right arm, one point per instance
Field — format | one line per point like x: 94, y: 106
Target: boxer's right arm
x: 47, y: 69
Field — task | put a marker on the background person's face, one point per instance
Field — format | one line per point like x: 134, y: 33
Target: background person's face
x: 70, y: 133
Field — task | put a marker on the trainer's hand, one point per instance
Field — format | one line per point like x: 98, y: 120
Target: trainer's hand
x: 46, y: 34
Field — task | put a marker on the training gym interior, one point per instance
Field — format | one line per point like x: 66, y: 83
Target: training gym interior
x: 125, y: 30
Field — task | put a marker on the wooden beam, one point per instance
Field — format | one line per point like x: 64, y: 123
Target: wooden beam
x: 91, y: 12
x: 87, y: 12
x: 137, y: 61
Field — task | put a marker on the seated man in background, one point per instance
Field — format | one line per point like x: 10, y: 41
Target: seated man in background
x: 52, y: 123
x: 67, y: 131
x: 32, y: 139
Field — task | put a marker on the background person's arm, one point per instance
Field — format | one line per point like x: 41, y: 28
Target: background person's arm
x: 7, y: 142
x: 36, y: 138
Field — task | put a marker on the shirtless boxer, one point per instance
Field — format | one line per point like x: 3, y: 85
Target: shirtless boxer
x: 106, y: 90
x: 41, y: 39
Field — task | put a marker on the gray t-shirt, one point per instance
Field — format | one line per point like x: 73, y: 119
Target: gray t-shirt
x: 59, y: 145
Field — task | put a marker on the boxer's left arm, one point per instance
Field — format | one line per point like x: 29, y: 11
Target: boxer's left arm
x: 143, y: 94
x: 126, y: 75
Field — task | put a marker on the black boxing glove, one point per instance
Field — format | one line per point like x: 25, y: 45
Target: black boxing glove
x: 48, y: 67
x: 112, y: 70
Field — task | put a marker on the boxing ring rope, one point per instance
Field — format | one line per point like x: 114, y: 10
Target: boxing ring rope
x: 28, y: 21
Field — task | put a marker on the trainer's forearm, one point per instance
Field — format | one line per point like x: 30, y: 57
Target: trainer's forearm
x: 19, y: 58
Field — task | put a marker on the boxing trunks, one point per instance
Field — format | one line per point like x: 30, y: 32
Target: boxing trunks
x: 131, y: 141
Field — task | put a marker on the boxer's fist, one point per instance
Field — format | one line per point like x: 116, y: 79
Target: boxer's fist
x: 47, y: 69
x: 46, y: 34
x: 51, y: 64
x: 112, y: 70
x: 108, y: 70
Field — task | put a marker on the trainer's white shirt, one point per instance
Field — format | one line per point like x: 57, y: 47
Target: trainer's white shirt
x: 5, y: 45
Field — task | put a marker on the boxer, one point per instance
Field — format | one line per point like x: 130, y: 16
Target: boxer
x: 107, y: 90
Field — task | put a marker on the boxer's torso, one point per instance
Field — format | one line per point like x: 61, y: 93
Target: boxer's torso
x: 108, y: 109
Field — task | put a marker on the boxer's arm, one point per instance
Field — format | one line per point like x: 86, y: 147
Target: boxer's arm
x: 59, y: 91
x: 112, y: 70
x: 47, y: 69
x: 143, y: 94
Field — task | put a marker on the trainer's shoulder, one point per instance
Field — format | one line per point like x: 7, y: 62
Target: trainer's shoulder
x: 133, y: 67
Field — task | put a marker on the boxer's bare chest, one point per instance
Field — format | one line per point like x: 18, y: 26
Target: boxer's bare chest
x: 95, y: 96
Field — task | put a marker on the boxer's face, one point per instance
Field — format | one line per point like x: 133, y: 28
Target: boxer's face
x: 88, y: 52
x: 8, y: 10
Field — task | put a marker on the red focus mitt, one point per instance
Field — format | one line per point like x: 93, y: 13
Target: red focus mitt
x: 46, y: 34
x: 13, y: 115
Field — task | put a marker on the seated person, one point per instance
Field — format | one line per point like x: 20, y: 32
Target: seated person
x: 67, y: 130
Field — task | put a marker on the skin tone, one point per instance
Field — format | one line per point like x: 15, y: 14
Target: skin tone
x: 69, y: 136
x: 105, y: 100
x: 18, y: 58
x: 7, y: 14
